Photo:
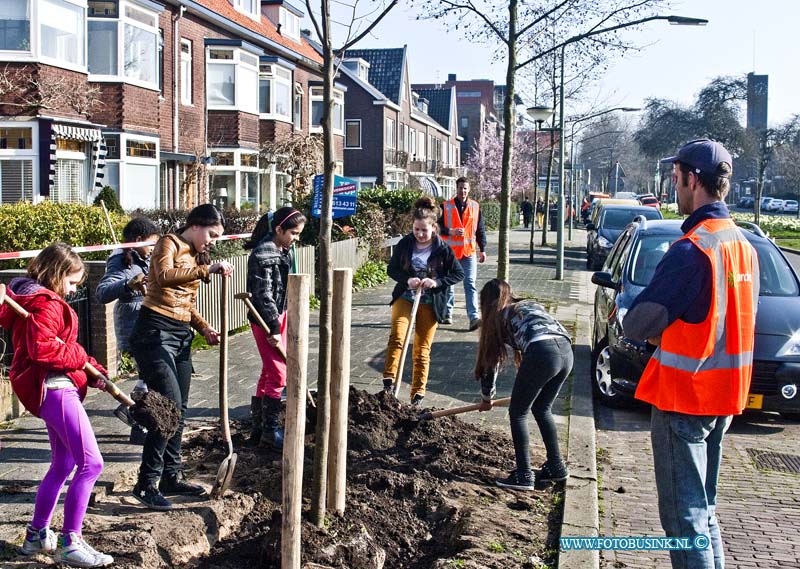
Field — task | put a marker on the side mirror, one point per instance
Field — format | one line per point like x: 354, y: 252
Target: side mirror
x: 604, y: 279
x: 590, y: 226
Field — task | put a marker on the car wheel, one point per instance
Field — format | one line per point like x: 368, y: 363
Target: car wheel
x: 791, y: 416
x: 601, y: 377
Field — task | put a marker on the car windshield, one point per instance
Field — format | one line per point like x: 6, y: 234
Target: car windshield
x: 777, y: 277
x: 647, y: 254
x: 619, y: 218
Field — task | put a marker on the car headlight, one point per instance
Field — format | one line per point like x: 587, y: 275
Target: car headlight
x: 792, y: 347
x: 604, y: 243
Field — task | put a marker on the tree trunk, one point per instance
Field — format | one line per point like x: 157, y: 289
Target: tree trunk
x: 508, y: 145
x: 319, y: 480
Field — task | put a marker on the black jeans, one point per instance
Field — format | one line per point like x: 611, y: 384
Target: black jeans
x: 544, y: 368
x: 161, y: 347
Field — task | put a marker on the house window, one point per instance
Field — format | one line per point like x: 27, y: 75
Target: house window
x: 223, y: 158
x: 249, y: 7
x: 403, y: 131
x: 232, y: 80
x: 15, y: 25
x: 62, y: 31
x: 391, y: 135
x: 16, y: 138
x: 298, y: 107
x: 464, y: 122
x: 140, y: 149
x: 421, y: 145
x: 290, y: 24
x: 16, y: 181
x: 338, y: 111
x: 70, y: 181
x: 352, y: 137
x: 317, y: 107
x: 412, y: 141
x: 275, y: 91
x: 124, y: 45
x: 186, y: 72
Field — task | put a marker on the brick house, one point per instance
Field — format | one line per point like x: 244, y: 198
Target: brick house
x: 166, y: 101
x: 393, y: 135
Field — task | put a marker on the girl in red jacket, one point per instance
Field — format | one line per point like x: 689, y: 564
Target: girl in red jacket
x: 48, y: 377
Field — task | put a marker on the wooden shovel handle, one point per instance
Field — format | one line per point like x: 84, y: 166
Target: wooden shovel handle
x: 111, y: 388
x: 467, y: 408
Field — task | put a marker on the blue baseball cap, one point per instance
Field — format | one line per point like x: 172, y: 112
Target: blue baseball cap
x: 703, y: 155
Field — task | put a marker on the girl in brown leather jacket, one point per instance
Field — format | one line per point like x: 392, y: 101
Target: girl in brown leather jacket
x: 161, y: 342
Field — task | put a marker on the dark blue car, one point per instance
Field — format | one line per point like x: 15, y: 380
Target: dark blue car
x: 617, y: 362
x: 609, y: 224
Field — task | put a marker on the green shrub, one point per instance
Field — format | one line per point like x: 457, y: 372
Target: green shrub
x: 25, y: 226
x: 109, y: 197
x: 491, y: 214
x: 236, y: 220
x: 371, y: 273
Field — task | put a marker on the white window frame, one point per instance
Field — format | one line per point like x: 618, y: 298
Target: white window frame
x: 276, y: 74
x: 186, y: 77
x: 421, y: 144
x: 390, y: 134
x: 35, y: 17
x: 125, y: 159
x: 33, y: 35
x: 31, y: 154
x: 338, y: 112
x: 315, y: 94
x: 122, y: 20
x: 297, y: 96
x: 290, y: 24
x: 352, y: 121
x: 250, y: 8
x: 239, y: 66
x: 237, y: 169
x: 412, y: 142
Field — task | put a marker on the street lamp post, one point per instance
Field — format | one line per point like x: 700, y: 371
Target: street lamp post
x: 539, y: 115
x: 674, y: 20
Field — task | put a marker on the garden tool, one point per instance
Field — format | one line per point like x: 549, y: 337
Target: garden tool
x: 245, y: 297
x: 163, y: 421
x: 428, y: 415
x: 226, y: 468
x: 398, y: 378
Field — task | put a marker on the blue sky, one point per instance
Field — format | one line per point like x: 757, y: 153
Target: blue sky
x: 674, y: 63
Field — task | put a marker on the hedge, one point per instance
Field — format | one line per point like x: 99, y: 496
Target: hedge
x: 491, y: 214
x: 24, y: 226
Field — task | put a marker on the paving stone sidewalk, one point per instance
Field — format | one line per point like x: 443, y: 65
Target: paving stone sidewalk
x: 24, y: 450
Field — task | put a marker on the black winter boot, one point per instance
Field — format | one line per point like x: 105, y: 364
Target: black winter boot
x: 255, y: 415
x: 271, y: 433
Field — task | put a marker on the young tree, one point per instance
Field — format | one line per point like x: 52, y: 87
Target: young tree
x: 522, y: 33
x: 359, y: 26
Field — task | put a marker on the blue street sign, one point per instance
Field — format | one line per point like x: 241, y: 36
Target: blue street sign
x: 344, y: 196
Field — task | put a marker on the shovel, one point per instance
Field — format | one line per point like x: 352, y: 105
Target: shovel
x: 166, y: 424
x: 226, y: 468
x: 427, y: 416
x: 245, y: 297
x: 398, y: 378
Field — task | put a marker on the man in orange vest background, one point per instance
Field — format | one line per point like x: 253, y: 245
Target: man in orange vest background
x: 461, y: 227
x: 699, y: 310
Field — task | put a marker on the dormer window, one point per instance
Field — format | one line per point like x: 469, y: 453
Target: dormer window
x: 290, y: 24
x: 360, y: 67
x: 252, y: 8
x: 274, y: 90
x: 231, y: 76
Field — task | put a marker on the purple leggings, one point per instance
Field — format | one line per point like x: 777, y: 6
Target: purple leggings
x: 72, y: 443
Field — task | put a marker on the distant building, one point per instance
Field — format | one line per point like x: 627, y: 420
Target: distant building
x: 757, y: 93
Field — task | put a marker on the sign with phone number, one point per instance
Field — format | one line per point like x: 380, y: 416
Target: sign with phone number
x: 344, y: 196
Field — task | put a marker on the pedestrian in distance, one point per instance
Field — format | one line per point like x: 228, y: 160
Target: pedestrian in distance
x: 267, y: 277
x: 699, y: 310
x: 461, y: 226
x: 161, y: 343
x: 543, y: 354
x: 423, y: 260
x: 527, y: 212
x: 124, y: 281
x: 47, y: 375
x: 540, y: 212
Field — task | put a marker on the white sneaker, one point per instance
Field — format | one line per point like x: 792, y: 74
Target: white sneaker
x: 79, y: 553
x: 38, y: 541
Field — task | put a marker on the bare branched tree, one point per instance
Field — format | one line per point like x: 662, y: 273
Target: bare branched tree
x: 298, y: 155
x: 23, y: 89
x: 360, y: 24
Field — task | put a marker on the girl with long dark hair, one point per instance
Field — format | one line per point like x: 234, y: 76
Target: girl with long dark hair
x: 267, y: 276
x: 161, y: 343
x: 543, y: 354
x: 420, y: 260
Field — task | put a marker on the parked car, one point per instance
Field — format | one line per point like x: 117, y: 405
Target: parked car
x: 625, y: 196
x: 650, y: 201
x: 745, y: 202
x: 775, y: 205
x: 765, y: 204
x: 608, y: 222
x: 618, y: 362
x: 790, y: 206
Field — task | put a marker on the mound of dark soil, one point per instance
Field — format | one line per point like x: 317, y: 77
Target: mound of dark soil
x: 419, y: 495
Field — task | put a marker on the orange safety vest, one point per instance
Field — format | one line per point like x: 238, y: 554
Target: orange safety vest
x: 462, y: 246
x: 705, y: 368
